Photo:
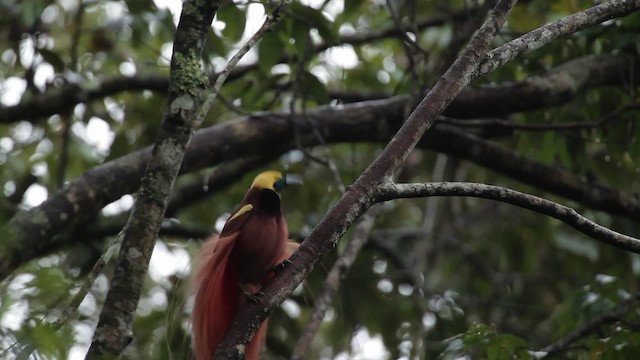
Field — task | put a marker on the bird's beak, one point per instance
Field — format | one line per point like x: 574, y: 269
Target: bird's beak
x: 293, y: 179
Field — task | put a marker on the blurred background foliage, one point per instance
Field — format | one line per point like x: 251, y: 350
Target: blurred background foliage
x: 447, y: 278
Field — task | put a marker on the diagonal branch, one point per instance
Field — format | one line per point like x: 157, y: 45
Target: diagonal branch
x: 569, y: 216
x: 358, y: 197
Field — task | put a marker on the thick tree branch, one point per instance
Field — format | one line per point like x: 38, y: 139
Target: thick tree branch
x: 554, y: 87
x: 41, y: 229
x: 558, y: 86
x: 563, y: 213
x: 63, y: 100
x: 183, y: 114
x: 517, y: 166
x: 358, y: 197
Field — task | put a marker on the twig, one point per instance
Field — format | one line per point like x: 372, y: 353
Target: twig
x: 563, y: 213
x: 71, y: 308
x: 573, y: 125
x: 403, y: 31
x: 65, y: 128
x: 270, y: 21
x: 559, y: 28
x: 67, y: 118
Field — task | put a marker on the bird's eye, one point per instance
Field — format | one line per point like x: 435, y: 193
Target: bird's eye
x: 280, y: 184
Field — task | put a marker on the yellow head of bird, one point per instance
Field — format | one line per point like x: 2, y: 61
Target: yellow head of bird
x: 275, y: 180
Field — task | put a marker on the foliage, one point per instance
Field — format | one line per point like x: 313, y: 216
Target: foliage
x: 439, y: 278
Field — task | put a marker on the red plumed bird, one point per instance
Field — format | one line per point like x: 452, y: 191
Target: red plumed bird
x: 235, y: 265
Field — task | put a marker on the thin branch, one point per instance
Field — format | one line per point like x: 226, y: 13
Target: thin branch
x: 333, y: 280
x: 104, y: 259
x: 65, y: 142
x: 571, y: 125
x: 462, y: 32
x: 591, y: 326
x: 73, y: 305
x: 267, y: 25
x: 563, y: 213
x: 403, y: 31
x: 557, y: 29
x: 67, y: 117
x: 551, y: 88
x: 329, y: 162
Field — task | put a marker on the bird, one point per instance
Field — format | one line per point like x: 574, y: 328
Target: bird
x: 235, y: 265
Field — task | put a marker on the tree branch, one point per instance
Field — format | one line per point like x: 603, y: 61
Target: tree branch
x: 551, y: 88
x: 184, y: 110
x: 563, y: 213
x: 39, y: 230
x: 571, y: 125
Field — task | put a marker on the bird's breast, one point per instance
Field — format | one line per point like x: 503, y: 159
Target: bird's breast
x: 260, y: 247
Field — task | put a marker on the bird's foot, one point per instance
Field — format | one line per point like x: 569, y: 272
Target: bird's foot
x: 255, y: 298
x: 281, y: 266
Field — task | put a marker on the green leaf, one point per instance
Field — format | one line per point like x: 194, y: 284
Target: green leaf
x: 215, y: 45
x: 139, y: 7
x: 235, y: 20
x: 507, y: 347
x: 31, y: 10
x: 477, y: 333
x: 300, y: 34
x: 352, y: 5
x: 269, y: 51
x: 576, y: 244
x: 311, y: 86
x: 315, y: 18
